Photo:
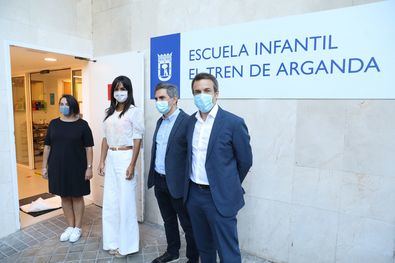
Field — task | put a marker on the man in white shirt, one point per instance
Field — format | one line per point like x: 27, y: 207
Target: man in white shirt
x: 219, y: 157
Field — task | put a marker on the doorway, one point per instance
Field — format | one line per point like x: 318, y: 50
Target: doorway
x: 46, y: 87
x: 89, y: 84
x: 39, y: 79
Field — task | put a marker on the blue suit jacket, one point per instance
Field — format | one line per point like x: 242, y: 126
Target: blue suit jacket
x: 228, y: 160
x: 175, y: 159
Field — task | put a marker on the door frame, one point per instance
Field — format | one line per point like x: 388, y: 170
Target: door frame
x: 8, y: 86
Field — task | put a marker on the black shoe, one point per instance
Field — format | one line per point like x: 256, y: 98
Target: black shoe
x: 166, y: 258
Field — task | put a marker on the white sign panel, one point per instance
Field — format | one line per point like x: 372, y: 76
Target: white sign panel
x: 339, y: 54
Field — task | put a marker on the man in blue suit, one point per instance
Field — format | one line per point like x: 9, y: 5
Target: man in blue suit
x: 219, y: 158
x: 167, y: 172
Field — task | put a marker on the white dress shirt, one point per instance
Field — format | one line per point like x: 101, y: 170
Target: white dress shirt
x: 200, y: 139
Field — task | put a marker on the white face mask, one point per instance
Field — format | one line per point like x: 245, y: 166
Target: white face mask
x: 121, y: 95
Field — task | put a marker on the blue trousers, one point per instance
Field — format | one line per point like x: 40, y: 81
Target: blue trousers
x: 212, y: 231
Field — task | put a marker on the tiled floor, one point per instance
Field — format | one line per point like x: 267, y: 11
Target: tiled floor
x: 40, y: 243
x: 30, y: 182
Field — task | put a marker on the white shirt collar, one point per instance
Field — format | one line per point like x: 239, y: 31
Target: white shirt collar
x: 213, y: 113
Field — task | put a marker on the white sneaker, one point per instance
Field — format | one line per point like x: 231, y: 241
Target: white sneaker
x: 75, y: 234
x: 66, y: 234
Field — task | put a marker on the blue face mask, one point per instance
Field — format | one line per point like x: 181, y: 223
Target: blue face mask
x: 65, y: 110
x: 162, y: 106
x: 204, y: 102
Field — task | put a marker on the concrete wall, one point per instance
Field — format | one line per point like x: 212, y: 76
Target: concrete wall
x: 112, y: 24
x: 63, y: 26
x: 322, y: 185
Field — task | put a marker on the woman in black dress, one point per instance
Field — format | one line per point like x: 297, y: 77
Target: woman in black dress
x: 67, y: 163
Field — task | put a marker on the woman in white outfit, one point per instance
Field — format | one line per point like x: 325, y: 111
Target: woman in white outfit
x: 123, y: 131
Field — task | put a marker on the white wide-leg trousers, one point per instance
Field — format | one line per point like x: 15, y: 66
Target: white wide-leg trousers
x: 120, y: 227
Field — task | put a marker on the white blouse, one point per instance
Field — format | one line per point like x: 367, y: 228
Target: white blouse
x: 122, y: 131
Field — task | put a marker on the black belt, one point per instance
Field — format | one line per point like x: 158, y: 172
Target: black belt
x: 161, y: 175
x: 201, y: 186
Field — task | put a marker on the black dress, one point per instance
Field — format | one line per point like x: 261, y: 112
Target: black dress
x: 67, y: 159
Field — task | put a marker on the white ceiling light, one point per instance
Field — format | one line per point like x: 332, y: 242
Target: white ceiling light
x: 50, y: 59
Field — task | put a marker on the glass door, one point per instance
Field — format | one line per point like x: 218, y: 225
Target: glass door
x: 20, y: 120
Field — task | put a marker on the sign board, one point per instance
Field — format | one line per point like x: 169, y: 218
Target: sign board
x: 344, y: 53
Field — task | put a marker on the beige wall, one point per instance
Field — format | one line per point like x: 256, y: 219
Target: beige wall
x: 322, y: 185
x: 8, y: 199
x: 112, y: 24
x: 62, y: 24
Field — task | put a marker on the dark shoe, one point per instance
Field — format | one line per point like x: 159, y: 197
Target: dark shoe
x: 193, y: 261
x: 166, y: 258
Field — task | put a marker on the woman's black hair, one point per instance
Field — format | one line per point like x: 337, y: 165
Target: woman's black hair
x: 73, y: 104
x: 127, y: 84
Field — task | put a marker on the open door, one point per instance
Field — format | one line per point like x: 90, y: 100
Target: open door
x: 96, y: 77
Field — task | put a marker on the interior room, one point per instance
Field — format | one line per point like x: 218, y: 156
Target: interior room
x: 39, y: 79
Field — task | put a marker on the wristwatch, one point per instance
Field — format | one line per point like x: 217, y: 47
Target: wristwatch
x: 89, y: 165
